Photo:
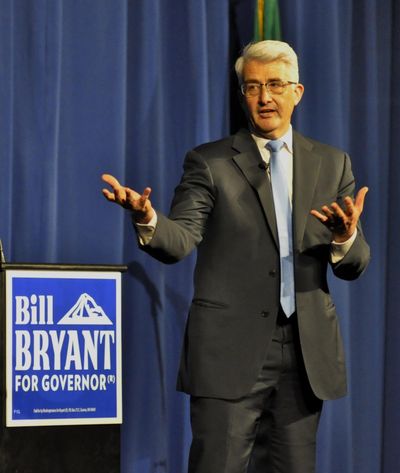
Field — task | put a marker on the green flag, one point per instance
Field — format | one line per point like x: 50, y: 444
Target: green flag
x: 267, y: 24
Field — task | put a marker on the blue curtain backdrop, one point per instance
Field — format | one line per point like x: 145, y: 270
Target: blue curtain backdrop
x: 126, y: 87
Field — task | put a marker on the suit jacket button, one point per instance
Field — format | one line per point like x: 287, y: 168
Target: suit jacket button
x: 273, y: 272
x: 264, y: 313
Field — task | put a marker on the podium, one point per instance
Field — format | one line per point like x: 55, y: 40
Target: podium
x: 60, y: 377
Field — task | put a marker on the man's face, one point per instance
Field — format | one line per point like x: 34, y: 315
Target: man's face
x: 269, y: 115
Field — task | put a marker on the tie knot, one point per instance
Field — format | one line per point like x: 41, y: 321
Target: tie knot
x: 274, y: 145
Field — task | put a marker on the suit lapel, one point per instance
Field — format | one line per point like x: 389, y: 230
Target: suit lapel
x: 306, y: 167
x: 249, y: 160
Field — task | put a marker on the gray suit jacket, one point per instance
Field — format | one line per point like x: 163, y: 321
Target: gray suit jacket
x: 223, y: 206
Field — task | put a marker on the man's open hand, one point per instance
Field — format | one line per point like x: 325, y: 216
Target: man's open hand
x: 342, y: 222
x: 127, y: 198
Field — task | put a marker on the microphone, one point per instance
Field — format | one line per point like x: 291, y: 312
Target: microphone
x: 264, y: 166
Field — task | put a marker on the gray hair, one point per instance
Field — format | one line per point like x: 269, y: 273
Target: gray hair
x: 268, y: 51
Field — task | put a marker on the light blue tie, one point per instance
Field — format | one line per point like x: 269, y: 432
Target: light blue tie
x: 280, y: 166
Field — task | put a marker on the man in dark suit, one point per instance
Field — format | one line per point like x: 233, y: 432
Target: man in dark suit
x: 262, y: 346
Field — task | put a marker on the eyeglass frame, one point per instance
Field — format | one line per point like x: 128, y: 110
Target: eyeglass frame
x: 267, y: 85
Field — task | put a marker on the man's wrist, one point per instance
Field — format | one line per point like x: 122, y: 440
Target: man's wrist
x: 143, y: 218
x: 344, y: 238
x: 145, y: 231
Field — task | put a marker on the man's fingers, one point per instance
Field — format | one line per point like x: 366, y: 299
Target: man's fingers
x: 358, y: 202
x: 360, y: 197
x: 319, y: 215
x: 328, y: 212
x: 146, y: 192
x: 338, y: 211
x: 108, y: 195
x: 349, y: 204
x: 119, y: 194
x: 111, y: 180
x: 145, y: 196
x: 126, y: 197
x: 342, y: 221
x: 135, y: 200
x: 332, y: 218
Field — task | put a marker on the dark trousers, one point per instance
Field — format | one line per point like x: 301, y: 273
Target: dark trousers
x: 272, y: 429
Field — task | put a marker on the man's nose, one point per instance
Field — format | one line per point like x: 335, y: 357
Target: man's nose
x: 264, y: 96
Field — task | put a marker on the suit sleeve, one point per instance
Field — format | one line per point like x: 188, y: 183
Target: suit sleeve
x: 178, y: 234
x: 357, y: 258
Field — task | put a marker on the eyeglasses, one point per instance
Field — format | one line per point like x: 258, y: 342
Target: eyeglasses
x: 274, y: 87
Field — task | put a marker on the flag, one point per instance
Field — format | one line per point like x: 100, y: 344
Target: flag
x: 267, y: 24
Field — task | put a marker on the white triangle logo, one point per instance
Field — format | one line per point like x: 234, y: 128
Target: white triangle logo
x: 85, y: 311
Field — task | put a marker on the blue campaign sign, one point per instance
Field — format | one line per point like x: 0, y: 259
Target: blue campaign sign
x: 63, y: 343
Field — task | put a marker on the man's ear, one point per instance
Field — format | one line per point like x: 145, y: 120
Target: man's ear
x: 298, y: 92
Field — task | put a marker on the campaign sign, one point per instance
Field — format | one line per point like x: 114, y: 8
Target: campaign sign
x: 63, y: 347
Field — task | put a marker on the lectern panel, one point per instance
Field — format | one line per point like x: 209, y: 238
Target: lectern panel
x: 63, y: 347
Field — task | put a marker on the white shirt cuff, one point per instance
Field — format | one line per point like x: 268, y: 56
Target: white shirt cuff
x: 145, y: 231
x: 340, y: 249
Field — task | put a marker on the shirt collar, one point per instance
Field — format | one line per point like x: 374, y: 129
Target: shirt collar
x: 287, y: 138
